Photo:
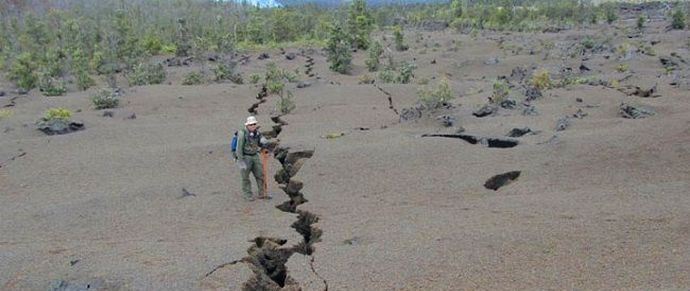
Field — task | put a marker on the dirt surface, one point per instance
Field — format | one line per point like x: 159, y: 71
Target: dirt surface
x: 602, y: 204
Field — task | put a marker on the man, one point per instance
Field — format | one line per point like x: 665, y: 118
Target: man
x: 249, y: 143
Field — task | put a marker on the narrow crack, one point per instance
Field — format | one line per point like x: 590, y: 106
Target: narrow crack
x: 490, y: 142
x: 12, y: 159
x: 501, y: 180
x: 221, y: 266
x: 325, y: 283
x: 390, y: 99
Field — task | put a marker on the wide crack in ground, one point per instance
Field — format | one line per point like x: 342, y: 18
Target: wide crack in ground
x: 268, y: 256
x: 486, y: 141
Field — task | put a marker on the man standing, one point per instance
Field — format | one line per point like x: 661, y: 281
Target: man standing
x: 249, y: 143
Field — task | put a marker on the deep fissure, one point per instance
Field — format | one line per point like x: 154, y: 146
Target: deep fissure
x: 491, y: 142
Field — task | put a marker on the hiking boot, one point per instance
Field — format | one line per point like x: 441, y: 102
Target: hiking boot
x: 266, y: 197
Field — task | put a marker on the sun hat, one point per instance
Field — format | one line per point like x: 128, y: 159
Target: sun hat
x: 250, y: 120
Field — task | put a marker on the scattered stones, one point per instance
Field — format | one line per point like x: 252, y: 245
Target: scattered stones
x: 290, y: 56
x: 108, y: 113
x: 178, y: 61
x: 186, y: 193
x: 563, y: 124
x: 533, y: 93
x: 635, y: 112
x: 59, y: 126
x: 486, y: 110
x: 530, y: 110
x: 22, y: 91
x: 518, y: 132
x: 580, y: 114
x: 433, y: 25
x: 2, y: 93
x: 263, y: 56
x: 584, y: 68
x: 498, y: 181
x: 133, y: 116
x: 579, y: 100
x: 446, y: 120
x: 508, y: 104
x: 412, y: 113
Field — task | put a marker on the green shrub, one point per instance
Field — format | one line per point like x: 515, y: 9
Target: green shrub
x: 541, y: 79
x: 375, y: 51
x: 285, y: 104
x: 366, y: 79
x: 193, y: 78
x: 254, y: 78
x: 398, y: 37
x: 678, y: 21
x: 622, y: 68
x: 406, y: 73
x: 338, y: 51
x: 587, y: 42
x: 51, y: 86
x: 23, y: 71
x: 224, y: 71
x: 57, y: 113
x: 435, y: 98
x: 152, y: 44
x: 275, y: 73
x: 500, y: 91
x: 387, y: 76
x: 147, y: 74
x: 610, y: 13
x: 275, y: 87
x: 640, y: 22
x: 105, y: 98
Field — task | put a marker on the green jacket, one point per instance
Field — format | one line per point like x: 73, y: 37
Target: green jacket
x: 248, y: 144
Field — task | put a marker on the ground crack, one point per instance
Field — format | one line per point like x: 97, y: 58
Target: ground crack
x: 390, y: 99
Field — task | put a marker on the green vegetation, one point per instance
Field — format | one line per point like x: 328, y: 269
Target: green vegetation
x: 375, y: 52
x: 193, y: 78
x: 500, y: 91
x: 640, y: 22
x: 285, y: 104
x: 678, y: 21
x: 57, y: 113
x: 435, y: 98
x: 105, y: 99
x: 145, y: 74
x: 541, y: 79
x: 398, y: 35
x: 338, y: 51
x: 359, y: 24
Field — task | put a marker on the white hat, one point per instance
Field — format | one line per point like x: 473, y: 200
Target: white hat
x: 250, y: 120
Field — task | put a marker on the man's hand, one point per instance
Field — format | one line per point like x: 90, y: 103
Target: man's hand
x: 242, y: 164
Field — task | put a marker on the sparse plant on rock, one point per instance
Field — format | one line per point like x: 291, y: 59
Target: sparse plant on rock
x: 105, y: 99
x: 435, y: 98
x: 622, y: 68
x: 193, y: 78
x: 541, y: 79
x: 225, y: 71
x: 366, y: 79
x: 406, y: 73
x: 275, y: 87
x: 610, y: 13
x: 57, y: 113
x: 387, y: 76
x: 500, y: 91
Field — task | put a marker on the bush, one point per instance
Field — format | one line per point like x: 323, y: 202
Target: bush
x: 587, y: 42
x: 387, y: 76
x: 541, y: 79
x: 622, y: 68
x: 398, y: 36
x: 57, y: 113
x: 5, y: 113
x: 23, y: 71
x: 375, y: 51
x: 193, y: 78
x: 366, y: 79
x: 254, y: 78
x: 51, y: 86
x: 227, y: 72
x: 285, y: 104
x: 275, y: 87
x: 105, y: 99
x: 500, y: 91
x: 406, y: 73
x: 640, y: 22
x: 435, y: 98
x: 678, y: 21
x: 147, y: 74
x: 338, y: 51
x: 610, y: 13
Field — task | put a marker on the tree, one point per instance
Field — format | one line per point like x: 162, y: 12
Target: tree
x: 359, y: 24
x: 338, y: 50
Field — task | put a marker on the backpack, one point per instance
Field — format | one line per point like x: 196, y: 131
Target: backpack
x: 233, y: 145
